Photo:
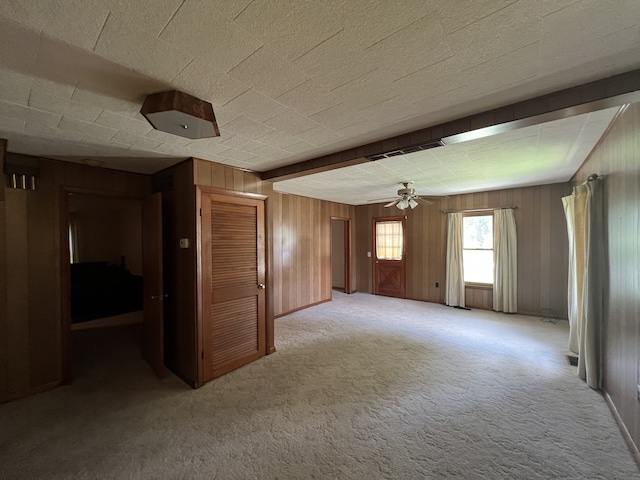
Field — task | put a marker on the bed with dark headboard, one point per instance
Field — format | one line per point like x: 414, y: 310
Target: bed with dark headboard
x: 101, y: 290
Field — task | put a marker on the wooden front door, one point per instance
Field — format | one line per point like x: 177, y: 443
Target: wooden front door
x: 233, y: 282
x: 153, y: 337
x: 389, y: 257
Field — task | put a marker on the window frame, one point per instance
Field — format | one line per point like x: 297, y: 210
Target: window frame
x: 403, y: 249
x: 478, y: 285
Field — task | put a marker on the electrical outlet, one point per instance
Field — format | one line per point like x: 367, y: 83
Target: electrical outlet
x: 437, y: 284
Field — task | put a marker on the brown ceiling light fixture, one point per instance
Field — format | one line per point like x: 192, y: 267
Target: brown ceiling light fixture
x: 180, y: 114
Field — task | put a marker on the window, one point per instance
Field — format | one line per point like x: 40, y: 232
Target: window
x: 477, y: 248
x: 389, y: 240
x: 73, y: 242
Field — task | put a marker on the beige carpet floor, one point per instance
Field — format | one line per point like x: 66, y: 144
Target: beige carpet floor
x: 363, y: 387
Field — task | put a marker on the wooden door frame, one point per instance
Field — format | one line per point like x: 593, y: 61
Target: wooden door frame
x: 152, y: 253
x: 269, y: 328
x: 395, y: 218
x: 65, y: 269
x: 347, y: 253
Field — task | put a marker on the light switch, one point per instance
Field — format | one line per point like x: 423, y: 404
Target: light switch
x: 184, y: 243
x: 369, y: 254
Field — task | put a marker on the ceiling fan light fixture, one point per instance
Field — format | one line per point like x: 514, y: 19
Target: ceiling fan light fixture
x: 180, y: 114
x: 403, y: 204
x: 412, y: 203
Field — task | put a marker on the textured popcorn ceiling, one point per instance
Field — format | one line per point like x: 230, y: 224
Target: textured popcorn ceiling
x: 289, y: 80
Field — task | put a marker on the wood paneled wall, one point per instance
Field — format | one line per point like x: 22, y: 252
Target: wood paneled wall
x: 301, y: 249
x: 30, y: 276
x: 338, y: 267
x: 179, y: 269
x: 3, y: 279
x: 108, y: 234
x: 542, y: 246
x: 299, y: 236
x: 216, y: 175
x: 30, y: 327
x: 298, y: 257
x: 617, y: 158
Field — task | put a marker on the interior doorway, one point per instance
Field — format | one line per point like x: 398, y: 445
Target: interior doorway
x: 105, y: 273
x: 340, y: 254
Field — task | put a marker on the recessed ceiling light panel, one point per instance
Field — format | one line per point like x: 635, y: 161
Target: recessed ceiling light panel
x: 180, y: 114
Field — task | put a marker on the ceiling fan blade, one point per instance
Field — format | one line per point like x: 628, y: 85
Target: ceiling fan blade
x: 378, y: 200
x: 423, y: 201
x: 391, y: 204
x: 435, y: 197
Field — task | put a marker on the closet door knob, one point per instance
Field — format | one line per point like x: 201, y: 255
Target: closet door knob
x: 262, y: 286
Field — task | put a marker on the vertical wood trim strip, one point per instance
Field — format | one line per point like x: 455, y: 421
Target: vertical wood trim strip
x: 3, y: 281
x: 545, y: 247
x: 44, y: 325
x: 203, y: 292
x: 18, y: 374
x: 218, y: 176
x: 65, y: 287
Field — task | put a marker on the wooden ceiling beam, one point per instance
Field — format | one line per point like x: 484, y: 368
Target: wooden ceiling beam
x: 600, y: 94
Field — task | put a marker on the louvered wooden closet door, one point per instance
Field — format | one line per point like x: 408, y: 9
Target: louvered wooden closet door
x: 233, y: 318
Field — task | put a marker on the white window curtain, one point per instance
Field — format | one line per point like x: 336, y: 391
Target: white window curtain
x: 505, y: 261
x: 586, y: 270
x: 573, y: 293
x: 454, y: 294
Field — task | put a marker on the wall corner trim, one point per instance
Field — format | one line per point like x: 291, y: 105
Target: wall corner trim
x: 633, y: 448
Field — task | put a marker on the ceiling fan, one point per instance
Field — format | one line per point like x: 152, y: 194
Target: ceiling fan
x: 407, y: 198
